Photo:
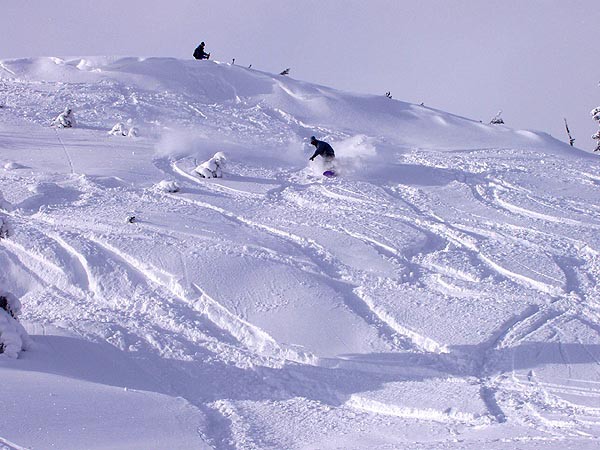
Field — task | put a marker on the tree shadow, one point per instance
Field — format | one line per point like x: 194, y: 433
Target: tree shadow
x: 415, y: 174
x: 333, y: 381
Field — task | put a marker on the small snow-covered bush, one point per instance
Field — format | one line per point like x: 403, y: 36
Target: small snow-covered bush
x: 11, y: 165
x: 13, y: 337
x: 167, y: 186
x: 213, y: 168
x: 595, y: 113
x: 64, y: 119
x: 4, y: 230
x: 133, y: 132
x: 118, y: 130
x: 596, y: 136
x: 121, y: 130
x: 497, y: 119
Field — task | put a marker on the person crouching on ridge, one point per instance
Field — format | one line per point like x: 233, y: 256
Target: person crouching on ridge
x: 199, y: 53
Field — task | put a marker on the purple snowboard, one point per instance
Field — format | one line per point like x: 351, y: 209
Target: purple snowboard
x: 329, y: 174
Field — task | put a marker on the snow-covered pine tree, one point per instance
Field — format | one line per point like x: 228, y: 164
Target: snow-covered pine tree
x: 64, y: 119
x: 595, y: 113
x: 497, y: 120
x: 118, y: 130
x: 13, y: 337
x: 4, y: 230
x: 571, y: 138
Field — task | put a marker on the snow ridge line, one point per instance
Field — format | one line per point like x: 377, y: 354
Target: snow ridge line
x: 540, y: 286
x: 498, y: 186
x: 285, y: 234
x: 527, y: 325
x: 91, y: 282
x: 460, y: 238
x: 5, y: 444
x: 376, y: 243
x: 18, y: 248
x: 246, y: 333
x: 2, y: 66
x: 423, y: 343
x: 430, y: 414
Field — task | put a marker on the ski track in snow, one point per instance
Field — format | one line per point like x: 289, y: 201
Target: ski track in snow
x: 7, y: 445
x: 464, y: 265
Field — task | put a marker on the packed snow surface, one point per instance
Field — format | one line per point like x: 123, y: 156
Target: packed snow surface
x: 441, y: 292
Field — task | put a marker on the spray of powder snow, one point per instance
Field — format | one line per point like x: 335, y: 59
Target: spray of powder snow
x: 354, y: 156
x: 202, y: 145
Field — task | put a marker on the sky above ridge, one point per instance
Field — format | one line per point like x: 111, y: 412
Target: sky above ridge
x: 537, y: 60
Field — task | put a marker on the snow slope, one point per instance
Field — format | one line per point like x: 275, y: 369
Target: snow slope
x: 441, y: 293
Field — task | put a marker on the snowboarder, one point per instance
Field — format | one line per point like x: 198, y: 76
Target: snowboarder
x: 213, y: 168
x: 64, y: 119
x: 323, y: 149
x: 328, y: 155
x: 199, y: 53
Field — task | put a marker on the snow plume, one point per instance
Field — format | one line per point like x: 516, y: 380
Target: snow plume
x: 354, y: 154
x: 178, y: 143
x: 202, y: 145
x: 359, y: 147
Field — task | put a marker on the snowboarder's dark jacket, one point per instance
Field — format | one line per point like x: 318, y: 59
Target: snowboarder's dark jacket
x: 323, y: 149
x: 199, y: 53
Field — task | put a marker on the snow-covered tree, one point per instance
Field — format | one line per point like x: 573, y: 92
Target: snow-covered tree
x: 595, y: 113
x: 13, y: 337
x: 497, y: 119
x: 167, y: 186
x: 4, y: 230
x: 213, y: 168
x: 133, y: 132
x: 118, y: 130
x: 596, y: 136
x: 65, y: 119
x: 571, y: 138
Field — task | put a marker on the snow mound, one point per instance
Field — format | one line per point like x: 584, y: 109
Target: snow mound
x: 169, y: 186
x: 11, y: 165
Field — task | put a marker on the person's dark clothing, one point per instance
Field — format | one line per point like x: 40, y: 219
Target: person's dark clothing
x: 323, y: 149
x: 199, y: 53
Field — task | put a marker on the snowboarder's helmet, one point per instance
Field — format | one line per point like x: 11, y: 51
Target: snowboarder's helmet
x: 313, y: 139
